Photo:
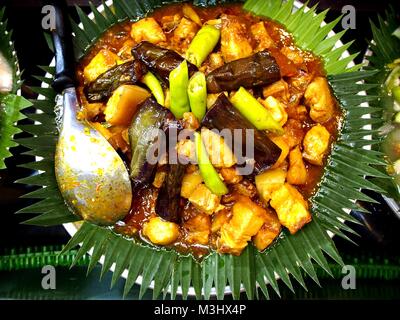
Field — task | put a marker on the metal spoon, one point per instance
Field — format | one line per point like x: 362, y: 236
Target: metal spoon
x: 91, y: 176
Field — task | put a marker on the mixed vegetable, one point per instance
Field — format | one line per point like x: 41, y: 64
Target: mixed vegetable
x: 391, y: 102
x: 204, y: 72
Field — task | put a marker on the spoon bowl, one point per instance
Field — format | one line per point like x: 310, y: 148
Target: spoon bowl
x: 91, y: 175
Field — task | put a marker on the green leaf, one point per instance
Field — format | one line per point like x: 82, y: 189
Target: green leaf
x: 149, y: 272
x: 11, y: 106
x: 161, y: 278
x: 385, y: 49
x: 305, y: 27
x: 91, y: 28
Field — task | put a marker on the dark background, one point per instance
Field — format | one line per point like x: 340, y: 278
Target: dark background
x: 380, y: 232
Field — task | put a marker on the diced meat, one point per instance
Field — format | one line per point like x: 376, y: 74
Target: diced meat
x: 147, y: 29
x: 297, y: 87
x: 270, y: 181
x: 186, y: 150
x: 231, y: 175
x: 123, y: 104
x: 191, y: 168
x: 190, y: 13
x: 293, y: 55
x: 318, y: 97
x: 247, y: 219
x: 215, y: 60
x: 160, y: 232
x: 125, y: 53
x: 234, y: 39
x: 316, y: 143
x: 204, y: 200
x: 190, y: 182
x: 159, y: 177
x: 278, y: 90
x: 221, y: 156
x: 102, y: 62
x: 297, y: 173
x: 228, y: 199
x: 294, y: 133
x: 169, y: 23
x: 260, y: 34
x: 268, y: 232
x: 219, y: 219
x: 190, y: 121
x: 282, y: 144
x: 297, y: 112
x: 245, y: 188
x: 291, y: 207
x: 276, y: 108
x: 198, y: 229
x: 184, y: 34
x: 119, y: 139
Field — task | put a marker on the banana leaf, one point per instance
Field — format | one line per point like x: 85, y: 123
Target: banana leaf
x: 384, y: 49
x: 10, y: 103
x: 291, y: 257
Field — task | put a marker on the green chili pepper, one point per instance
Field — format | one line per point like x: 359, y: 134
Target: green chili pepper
x: 178, y: 84
x: 396, y: 32
x: 394, y: 75
x: 197, y: 92
x: 210, y: 176
x: 151, y: 81
x: 203, y: 44
x: 396, y: 94
x: 397, y: 118
x: 254, y: 111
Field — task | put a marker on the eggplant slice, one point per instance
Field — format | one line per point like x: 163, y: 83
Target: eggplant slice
x: 159, y: 60
x: 169, y: 195
x: 223, y: 115
x: 259, y: 69
x: 144, y: 139
x: 102, y: 88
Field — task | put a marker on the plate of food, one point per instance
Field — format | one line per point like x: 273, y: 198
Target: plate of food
x: 10, y: 103
x: 383, y: 55
x: 252, y: 113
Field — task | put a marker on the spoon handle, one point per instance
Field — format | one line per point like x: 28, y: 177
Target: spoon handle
x: 62, y: 38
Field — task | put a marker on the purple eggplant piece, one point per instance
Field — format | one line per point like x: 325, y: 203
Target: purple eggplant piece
x: 159, y: 60
x: 102, y: 88
x: 169, y: 195
x: 223, y: 115
x: 259, y: 69
x: 144, y: 138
